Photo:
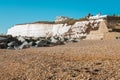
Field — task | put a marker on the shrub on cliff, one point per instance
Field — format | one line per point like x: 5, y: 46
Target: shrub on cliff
x: 68, y: 21
x: 83, y: 19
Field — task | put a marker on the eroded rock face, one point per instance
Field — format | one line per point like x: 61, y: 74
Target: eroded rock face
x: 77, y: 30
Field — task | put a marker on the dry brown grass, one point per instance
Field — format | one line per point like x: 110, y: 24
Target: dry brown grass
x: 86, y: 60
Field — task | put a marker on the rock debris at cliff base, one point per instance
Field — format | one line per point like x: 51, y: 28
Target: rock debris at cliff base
x: 20, y: 42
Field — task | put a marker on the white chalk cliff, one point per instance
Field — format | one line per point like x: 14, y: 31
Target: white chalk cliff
x: 77, y: 30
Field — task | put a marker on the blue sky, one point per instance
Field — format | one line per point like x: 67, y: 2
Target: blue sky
x: 24, y: 11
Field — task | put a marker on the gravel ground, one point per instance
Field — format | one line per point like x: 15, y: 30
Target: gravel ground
x: 86, y: 60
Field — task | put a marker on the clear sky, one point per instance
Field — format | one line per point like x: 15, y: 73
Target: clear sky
x: 24, y: 11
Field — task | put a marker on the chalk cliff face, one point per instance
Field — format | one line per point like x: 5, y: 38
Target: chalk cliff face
x: 79, y: 29
x: 30, y: 30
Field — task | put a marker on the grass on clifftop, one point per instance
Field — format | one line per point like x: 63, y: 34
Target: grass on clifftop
x: 72, y: 21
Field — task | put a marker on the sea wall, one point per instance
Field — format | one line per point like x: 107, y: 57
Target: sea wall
x: 99, y: 33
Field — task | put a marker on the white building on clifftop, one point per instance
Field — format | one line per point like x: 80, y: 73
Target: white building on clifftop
x: 98, y: 16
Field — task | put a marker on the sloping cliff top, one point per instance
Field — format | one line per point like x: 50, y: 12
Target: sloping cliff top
x: 69, y: 21
x: 39, y: 22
